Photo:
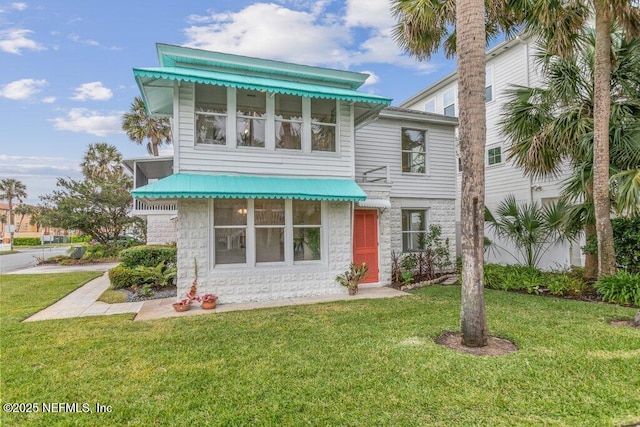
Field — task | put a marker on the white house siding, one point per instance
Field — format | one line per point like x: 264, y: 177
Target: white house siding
x: 161, y: 229
x: 261, y: 161
x: 245, y: 284
x: 513, y: 64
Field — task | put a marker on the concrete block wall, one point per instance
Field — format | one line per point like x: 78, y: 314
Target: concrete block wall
x: 440, y: 212
x: 261, y: 283
x: 161, y: 229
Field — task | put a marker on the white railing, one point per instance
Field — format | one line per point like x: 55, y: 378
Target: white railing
x: 374, y: 175
x: 159, y: 207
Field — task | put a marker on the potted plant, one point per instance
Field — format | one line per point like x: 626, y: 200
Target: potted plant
x: 352, y: 277
x: 208, y: 301
x: 182, y: 305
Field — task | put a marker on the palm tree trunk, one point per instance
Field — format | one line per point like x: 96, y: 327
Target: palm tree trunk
x: 472, y: 131
x: 601, y: 117
x: 11, y: 224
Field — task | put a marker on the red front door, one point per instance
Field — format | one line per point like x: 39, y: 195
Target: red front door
x: 365, y: 242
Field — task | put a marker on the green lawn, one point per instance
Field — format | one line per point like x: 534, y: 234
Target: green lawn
x: 348, y: 363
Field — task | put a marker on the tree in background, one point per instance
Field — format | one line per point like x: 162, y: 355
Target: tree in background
x: 22, y: 210
x: 561, y: 25
x: 463, y: 27
x: 12, y: 189
x: 98, y: 205
x: 139, y: 127
x: 553, y: 125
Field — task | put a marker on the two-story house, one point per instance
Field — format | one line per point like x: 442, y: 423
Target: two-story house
x: 511, y: 63
x: 268, y: 181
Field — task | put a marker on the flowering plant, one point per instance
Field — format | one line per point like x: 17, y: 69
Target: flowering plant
x: 208, y: 298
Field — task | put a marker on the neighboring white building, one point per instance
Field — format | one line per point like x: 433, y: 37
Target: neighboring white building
x: 509, y: 64
x: 284, y: 174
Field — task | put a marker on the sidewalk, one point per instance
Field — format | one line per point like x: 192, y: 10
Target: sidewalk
x: 82, y: 302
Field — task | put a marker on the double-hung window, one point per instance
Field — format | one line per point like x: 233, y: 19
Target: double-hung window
x: 323, y: 124
x: 449, y: 103
x: 494, y: 156
x: 307, y: 225
x: 251, y: 118
x: 270, y: 227
x: 488, y: 90
x: 414, y: 148
x: 430, y: 106
x: 414, y: 228
x: 288, y: 126
x: 211, y: 114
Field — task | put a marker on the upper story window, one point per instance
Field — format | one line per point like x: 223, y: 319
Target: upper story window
x: 251, y: 118
x: 211, y: 114
x: 494, y: 156
x: 430, y: 106
x: 323, y: 124
x: 414, y: 148
x: 288, y: 129
x: 488, y: 90
x: 449, y: 103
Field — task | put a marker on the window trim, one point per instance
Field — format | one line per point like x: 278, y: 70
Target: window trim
x: 489, y: 156
x: 430, y: 101
x: 489, y: 71
x: 427, y: 220
x: 251, y: 249
x: 451, y: 104
x: 426, y: 152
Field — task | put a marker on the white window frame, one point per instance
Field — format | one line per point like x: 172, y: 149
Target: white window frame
x: 451, y: 92
x: 430, y: 106
x: 426, y: 151
x: 251, y: 238
x: 489, y: 86
x: 426, y: 225
x: 209, y: 114
x: 489, y: 149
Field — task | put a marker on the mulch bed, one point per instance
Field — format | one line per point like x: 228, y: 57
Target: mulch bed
x: 495, y: 346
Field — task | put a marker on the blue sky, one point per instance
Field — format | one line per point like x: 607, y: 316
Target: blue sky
x: 66, y: 75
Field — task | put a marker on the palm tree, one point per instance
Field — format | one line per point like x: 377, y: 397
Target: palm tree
x: 461, y: 27
x: 101, y: 161
x: 561, y: 23
x: 12, y: 189
x: 22, y: 210
x: 552, y: 126
x: 139, y: 127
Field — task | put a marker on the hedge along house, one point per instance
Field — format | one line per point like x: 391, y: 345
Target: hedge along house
x: 263, y: 171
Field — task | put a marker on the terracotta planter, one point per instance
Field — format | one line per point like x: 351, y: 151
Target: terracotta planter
x: 208, y: 305
x: 181, y: 307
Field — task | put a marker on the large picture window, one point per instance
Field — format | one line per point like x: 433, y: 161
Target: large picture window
x: 211, y: 114
x: 230, y: 229
x: 251, y: 118
x: 414, y: 227
x: 323, y: 124
x: 269, y: 225
x: 414, y: 147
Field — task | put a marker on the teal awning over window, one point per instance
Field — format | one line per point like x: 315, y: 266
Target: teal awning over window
x: 190, y: 186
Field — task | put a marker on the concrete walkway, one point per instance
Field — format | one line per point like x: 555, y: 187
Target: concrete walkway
x: 161, y: 308
x: 83, y: 301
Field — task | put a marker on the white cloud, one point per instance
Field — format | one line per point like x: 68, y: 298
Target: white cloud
x: 94, y: 91
x: 22, y: 89
x: 92, y: 122
x: 370, y: 13
x: 272, y: 31
x: 14, y: 40
x: 372, y: 79
x: 76, y: 38
x: 49, y: 100
x: 19, y: 6
x: 308, y: 35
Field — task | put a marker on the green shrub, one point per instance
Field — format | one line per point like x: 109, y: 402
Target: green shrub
x: 80, y: 239
x: 563, y: 284
x: 621, y: 288
x: 26, y: 241
x: 512, y: 277
x: 626, y: 235
x: 156, y: 277
x: 149, y: 256
x: 100, y: 251
x: 124, y: 277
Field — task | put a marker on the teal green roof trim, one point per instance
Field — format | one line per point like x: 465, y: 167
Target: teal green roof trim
x: 195, y: 186
x: 256, y: 83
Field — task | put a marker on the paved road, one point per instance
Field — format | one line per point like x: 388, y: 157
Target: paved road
x: 28, y: 257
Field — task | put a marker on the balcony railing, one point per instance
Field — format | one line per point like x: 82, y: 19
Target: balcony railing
x: 141, y: 206
x: 380, y: 174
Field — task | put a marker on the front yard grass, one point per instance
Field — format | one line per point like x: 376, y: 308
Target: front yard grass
x: 367, y: 362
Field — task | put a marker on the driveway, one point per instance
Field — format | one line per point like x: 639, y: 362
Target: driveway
x: 28, y: 257
x: 54, y: 268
